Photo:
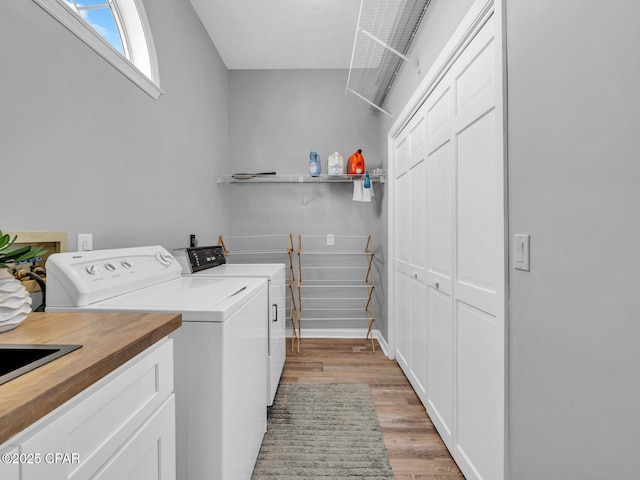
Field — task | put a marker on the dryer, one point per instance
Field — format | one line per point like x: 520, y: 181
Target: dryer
x: 220, y: 353
x: 211, y: 262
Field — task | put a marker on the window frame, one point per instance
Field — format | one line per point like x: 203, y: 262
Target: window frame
x: 139, y: 37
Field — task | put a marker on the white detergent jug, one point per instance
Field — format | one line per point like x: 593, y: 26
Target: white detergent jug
x: 335, y: 164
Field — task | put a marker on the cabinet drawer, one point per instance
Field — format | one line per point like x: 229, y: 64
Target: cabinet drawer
x: 94, y: 425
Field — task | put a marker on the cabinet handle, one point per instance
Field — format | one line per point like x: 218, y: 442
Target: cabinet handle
x: 275, y: 312
x: 437, y: 284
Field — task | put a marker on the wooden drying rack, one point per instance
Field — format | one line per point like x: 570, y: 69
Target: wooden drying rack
x: 305, y: 283
x: 288, y: 250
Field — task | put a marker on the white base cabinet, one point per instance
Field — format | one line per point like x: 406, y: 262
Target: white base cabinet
x: 9, y: 470
x: 121, y: 427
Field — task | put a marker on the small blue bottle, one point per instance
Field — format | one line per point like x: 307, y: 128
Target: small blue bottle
x: 314, y: 163
x: 367, y: 180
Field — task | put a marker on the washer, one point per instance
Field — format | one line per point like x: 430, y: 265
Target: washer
x: 220, y: 356
x: 211, y: 262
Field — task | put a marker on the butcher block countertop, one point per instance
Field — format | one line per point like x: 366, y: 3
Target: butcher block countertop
x: 108, y: 341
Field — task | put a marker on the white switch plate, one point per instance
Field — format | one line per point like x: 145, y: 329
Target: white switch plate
x: 331, y: 240
x: 85, y: 242
x: 521, y: 243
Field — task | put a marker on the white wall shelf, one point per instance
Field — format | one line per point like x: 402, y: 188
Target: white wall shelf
x: 300, y: 178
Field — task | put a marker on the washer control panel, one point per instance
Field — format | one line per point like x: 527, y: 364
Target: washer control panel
x: 82, y: 278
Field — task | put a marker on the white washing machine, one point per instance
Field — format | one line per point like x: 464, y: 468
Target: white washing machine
x: 210, y: 262
x: 220, y: 373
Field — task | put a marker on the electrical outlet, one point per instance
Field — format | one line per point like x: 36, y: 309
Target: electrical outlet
x: 85, y: 242
x: 330, y: 239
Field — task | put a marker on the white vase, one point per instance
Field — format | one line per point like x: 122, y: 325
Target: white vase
x: 15, y: 301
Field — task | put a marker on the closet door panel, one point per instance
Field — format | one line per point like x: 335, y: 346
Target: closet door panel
x: 402, y: 232
x: 479, y: 411
x: 417, y: 135
x: 438, y: 111
x: 477, y: 215
x: 474, y: 77
x: 478, y: 271
x: 417, y: 210
x: 477, y: 173
x: 402, y: 155
x: 440, y: 217
x: 440, y: 360
x: 419, y: 334
x: 403, y: 225
x: 403, y: 324
x: 418, y: 241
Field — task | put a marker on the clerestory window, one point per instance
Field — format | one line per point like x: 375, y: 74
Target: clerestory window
x: 118, y: 30
x: 103, y: 17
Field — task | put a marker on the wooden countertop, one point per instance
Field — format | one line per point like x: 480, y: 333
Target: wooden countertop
x: 108, y: 341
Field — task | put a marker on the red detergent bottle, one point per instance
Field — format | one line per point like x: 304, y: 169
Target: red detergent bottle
x: 356, y: 164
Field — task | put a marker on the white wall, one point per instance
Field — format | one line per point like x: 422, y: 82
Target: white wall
x: 85, y: 150
x: 573, y: 120
x: 276, y: 117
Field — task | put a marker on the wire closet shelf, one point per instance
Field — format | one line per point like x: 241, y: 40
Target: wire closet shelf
x: 383, y: 36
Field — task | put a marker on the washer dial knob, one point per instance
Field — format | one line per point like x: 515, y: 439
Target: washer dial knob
x: 165, y: 258
x: 93, y: 270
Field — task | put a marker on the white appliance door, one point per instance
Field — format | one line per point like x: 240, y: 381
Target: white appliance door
x: 198, y: 299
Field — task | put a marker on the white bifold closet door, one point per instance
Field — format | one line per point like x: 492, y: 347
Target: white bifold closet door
x: 449, y: 258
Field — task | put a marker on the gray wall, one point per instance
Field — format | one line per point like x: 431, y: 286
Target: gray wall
x: 85, y: 150
x: 276, y: 117
x: 574, y: 118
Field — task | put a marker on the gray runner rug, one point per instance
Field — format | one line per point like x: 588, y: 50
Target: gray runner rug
x: 323, y: 431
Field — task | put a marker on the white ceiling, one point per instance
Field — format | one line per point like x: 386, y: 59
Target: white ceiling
x: 281, y: 34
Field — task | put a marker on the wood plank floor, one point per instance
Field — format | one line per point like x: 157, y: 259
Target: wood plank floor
x: 415, y: 449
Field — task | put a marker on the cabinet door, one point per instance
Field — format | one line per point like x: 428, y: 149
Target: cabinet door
x: 9, y: 470
x: 150, y: 452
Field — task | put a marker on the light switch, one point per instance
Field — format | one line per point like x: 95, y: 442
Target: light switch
x: 521, y: 252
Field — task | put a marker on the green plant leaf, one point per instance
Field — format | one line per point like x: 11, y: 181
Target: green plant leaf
x: 12, y: 255
x: 26, y: 256
x: 5, y: 240
x: 20, y: 254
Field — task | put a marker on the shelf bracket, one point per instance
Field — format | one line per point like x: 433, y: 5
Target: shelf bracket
x: 370, y: 102
x: 390, y: 48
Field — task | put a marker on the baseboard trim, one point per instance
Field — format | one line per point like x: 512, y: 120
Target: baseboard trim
x: 343, y: 333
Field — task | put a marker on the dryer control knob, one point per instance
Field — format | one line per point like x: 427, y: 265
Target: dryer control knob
x: 126, y: 264
x: 111, y: 267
